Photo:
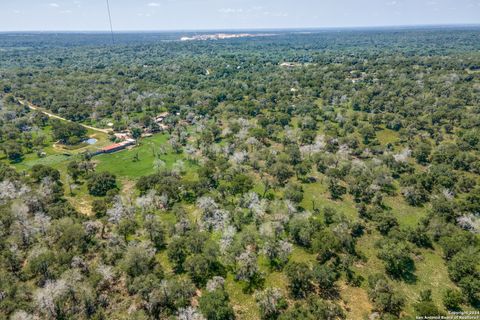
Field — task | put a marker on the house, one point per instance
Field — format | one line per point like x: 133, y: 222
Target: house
x: 122, y: 135
x: 159, y: 119
x: 114, y: 147
x: 118, y: 146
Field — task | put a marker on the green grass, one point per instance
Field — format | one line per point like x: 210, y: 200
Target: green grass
x: 430, y: 271
x: 102, y: 141
x: 57, y: 155
x: 243, y: 303
x: 431, y: 274
x: 122, y: 163
x: 53, y: 161
x: 317, y: 192
x: 406, y: 215
x: 300, y: 255
x: 387, y: 136
x: 356, y: 301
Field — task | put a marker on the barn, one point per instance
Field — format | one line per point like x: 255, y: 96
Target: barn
x: 118, y: 146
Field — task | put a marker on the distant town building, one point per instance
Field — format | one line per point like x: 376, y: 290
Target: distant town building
x: 222, y: 36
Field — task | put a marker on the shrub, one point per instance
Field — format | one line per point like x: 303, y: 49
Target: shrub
x: 100, y: 183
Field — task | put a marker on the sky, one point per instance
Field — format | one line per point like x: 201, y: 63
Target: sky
x: 149, y: 15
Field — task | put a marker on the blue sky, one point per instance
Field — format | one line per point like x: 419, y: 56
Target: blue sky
x: 90, y: 15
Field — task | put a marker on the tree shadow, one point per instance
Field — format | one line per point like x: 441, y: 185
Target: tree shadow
x: 475, y: 303
x: 257, y: 282
x: 407, y: 275
x: 331, y: 293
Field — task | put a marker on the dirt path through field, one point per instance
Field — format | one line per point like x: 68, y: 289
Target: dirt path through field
x: 51, y: 115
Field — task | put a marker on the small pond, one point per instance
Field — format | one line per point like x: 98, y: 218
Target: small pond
x: 91, y: 141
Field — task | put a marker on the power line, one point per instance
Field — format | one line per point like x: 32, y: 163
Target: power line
x: 110, y: 19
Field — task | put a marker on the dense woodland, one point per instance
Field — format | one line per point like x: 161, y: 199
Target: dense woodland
x: 316, y: 175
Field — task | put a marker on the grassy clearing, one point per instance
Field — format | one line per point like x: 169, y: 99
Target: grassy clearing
x: 123, y: 163
x: 387, y: 136
x: 243, y: 303
x: 300, y: 255
x: 102, y: 141
x: 430, y: 271
x: 54, y: 160
x: 119, y: 163
x: 407, y: 216
x: 317, y: 193
x: 431, y: 274
x: 57, y: 155
x: 355, y: 301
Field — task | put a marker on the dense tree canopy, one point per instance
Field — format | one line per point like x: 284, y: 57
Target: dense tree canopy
x: 318, y: 175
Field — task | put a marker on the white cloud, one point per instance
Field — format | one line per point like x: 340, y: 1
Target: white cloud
x: 153, y: 4
x: 230, y: 10
x: 66, y: 11
x: 275, y: 14
x: 392, y: 3
x: 54, y: 5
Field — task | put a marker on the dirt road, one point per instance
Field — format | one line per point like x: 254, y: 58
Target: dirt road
x: 51, y: 115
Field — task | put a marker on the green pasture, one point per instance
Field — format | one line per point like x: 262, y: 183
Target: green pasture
x: 140, y: 160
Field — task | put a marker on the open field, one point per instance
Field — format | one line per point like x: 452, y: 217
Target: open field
x: 124, y: 163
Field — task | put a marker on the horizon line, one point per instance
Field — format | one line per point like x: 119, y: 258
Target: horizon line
x: 399, y: 26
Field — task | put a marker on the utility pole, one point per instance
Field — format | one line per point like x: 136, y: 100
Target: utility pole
x: 110, y: 20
